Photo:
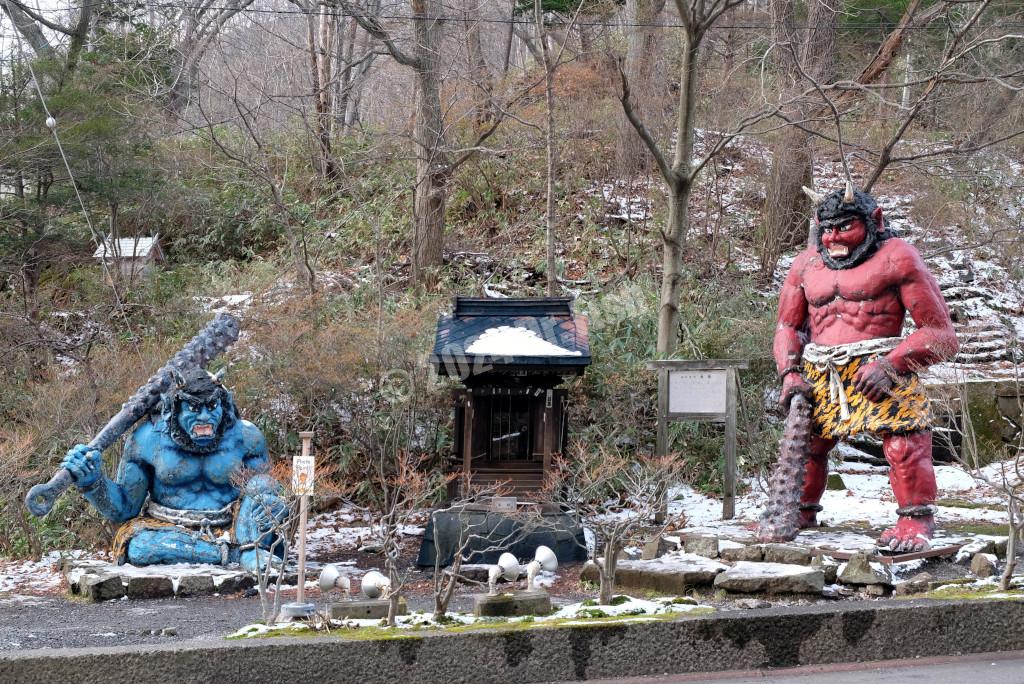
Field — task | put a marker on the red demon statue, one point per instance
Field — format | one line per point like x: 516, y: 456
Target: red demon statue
x: 838, y: 344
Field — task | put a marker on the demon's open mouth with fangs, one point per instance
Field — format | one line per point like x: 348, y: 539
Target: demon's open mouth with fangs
x: 202, y: 430
x: 839, y: 251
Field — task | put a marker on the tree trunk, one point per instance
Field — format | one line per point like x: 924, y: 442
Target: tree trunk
x: 480, y: 74
x: 787, y: 209
x: 319, y: 38
x: 607, y: 574
x: 641, y: 56
x: 29, y: 30
x: 786, y: 206
x: 551, y: 147
x: 431, y: 164
x: 680, y: 186
x: 1016, y: 525
x: 673, y: 244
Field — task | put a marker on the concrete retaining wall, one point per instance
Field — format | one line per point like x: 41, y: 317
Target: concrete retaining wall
x: 747, y: 640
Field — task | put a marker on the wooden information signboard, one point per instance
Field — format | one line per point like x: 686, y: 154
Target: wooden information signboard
x: 701, y: 390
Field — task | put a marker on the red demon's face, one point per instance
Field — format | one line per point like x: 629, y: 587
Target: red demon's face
x: 840, y: 241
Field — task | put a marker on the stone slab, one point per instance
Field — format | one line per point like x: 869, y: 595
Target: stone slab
x: 97, y: 580
x: 149, y: 587
x: 860, y: 570
x: 753, y: 553
x: 771, y: 578
x: 101, y: 587
x: 512, y: 604
x: 789, y: 554
x: 671, y: 574
x: 365, y: 609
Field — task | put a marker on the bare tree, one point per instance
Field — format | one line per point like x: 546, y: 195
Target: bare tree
x: 251, y: 152
x: 642, y: 53
x: 435, y: 160
x: 616, y: 496
x: 1001, y: 470
x: 681, y: 173
x: 551, y: 63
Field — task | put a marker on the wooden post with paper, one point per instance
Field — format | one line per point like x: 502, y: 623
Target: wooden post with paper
x: 701, y: 390
x: 303, y: 470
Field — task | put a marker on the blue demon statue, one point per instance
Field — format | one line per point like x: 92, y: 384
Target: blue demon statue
x: 193, y: 483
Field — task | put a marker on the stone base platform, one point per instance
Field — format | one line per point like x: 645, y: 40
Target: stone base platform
x: 365, y: 609
x: 512, y: 604
x: 99, y: 580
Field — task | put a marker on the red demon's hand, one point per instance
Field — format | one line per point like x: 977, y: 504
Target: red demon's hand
x: 875, y: 380
x: 793, y: 384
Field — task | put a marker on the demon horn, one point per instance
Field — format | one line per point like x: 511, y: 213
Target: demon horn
x: 848, y: 198
x: 814, y: 197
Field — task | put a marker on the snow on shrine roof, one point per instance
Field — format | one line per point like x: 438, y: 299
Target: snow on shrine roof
x: 541, y: 334
x: 127, y: 248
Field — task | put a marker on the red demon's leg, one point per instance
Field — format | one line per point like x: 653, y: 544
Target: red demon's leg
x: 913, y: 482
x: 815, y: 476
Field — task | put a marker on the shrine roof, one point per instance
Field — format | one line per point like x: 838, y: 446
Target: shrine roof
x: 511, y: 334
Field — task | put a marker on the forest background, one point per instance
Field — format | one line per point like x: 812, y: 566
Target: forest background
x: 334, y: 172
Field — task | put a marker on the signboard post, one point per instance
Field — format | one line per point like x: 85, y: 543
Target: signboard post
x: 701, y: 390
x: 303, y: 469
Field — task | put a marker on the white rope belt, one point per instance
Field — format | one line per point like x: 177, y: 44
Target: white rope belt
x: 828, y: 358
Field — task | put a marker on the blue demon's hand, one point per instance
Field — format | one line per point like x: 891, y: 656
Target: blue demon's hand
x: 84, y: 464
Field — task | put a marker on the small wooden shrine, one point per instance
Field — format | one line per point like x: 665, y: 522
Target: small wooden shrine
x: 511, y: 356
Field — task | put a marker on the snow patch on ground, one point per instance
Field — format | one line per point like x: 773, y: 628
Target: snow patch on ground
x: 867, y: 499
x: 34, y: 577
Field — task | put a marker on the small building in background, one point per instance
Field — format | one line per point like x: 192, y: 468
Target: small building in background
x: 129, y: 258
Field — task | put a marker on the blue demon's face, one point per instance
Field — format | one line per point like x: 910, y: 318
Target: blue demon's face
x: 200, y: 420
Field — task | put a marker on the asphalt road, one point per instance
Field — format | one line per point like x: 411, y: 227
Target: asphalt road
x: 979, y: 668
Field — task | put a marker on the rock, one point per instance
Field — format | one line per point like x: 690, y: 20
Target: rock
x: 101, y: 587
x: 149, y: 587
x: 472, y: 572
x: 512, y: 604
x: 877, y: 590
x: 918, y: 584
x: 169, y: 631
x: 999, y: 545
x: 753, y: 553
x: 974, y: 547
x: 365, y: 609
x: 983, y: 564
x: 655, y: 548
x: 773, y: 578
x: 371, y: 548
x: 672, y: 574
x: 828, y: 566
x: 835, y: 482
x: 195, y: 585
x: 702, y: 545
x: 233, y: 583
x: 836, y: 591
x: 786, y: 554
x: 752, y: 603
x: 860, y: 571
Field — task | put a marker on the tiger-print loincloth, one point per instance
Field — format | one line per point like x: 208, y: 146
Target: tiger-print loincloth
x: 904, y: 410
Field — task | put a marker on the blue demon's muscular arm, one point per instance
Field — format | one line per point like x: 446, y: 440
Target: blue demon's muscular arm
x: 119, y: 499
x: 257, y: 460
